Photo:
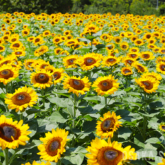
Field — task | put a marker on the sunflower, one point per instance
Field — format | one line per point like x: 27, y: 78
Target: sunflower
x: 53, y: 145
x: 126, y: 71
x: 160, y: 67
x: 8, y: 73
x: 105, y: 85
x: 161, y: 127
x: 107, y: 125
x: 58, y: 50
x: 42, y: 65
x: 12, y: 133
x: 89, y: 61
x: 110, y: 46
x: 110, y: 60
x: 57, y: 40
x: 28, y: 64
x: 19, y: 53
x: 124, y: 45
x: 149, y: 84
x: 41, y: 79
x: 38, y: 40
x: 35, y: 163
x: 141, y: 68
x: 58, y: 75
x: 2, y: 48
x: 128, y: 61
x: 21, y: 99
x: 76, y: 84
x: 16, y: 45
x: 109, y: 153
x: 134, y: 55
x: 69, y: 62
x: 163, y: 161
x: 41, y: 50
x: 147, y: 56
x: 138, y: 42
x: 154, y: 75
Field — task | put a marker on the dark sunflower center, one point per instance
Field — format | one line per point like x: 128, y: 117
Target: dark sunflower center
x: 37, y: 40
x: 21, y: 98
x: 6, y: 74
x: 76, y: 84
x: 54, y: 145
x: 129, y: 62
x: 1, y: 48
x: 111, y: 60
x: 9, y: 133
x: 89, y: 61
x: 42, y: 78
x: 105, y: 85
x: 162, y: 67
x: 16, y: 45
x: 140, y: 68
x: 18, y: 53
x: 133, y: 55
x: 148, y: 85
x: 127, y: 71
x: 56, y: 75
x: 124, y: 46
x: 71, y: 61
x: 146, y: 56
x: 107, y: 125
x: 110, y: 155
x: 163, y: 127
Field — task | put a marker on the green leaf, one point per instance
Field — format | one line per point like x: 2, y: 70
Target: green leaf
x: 124, y: 133
x: 57, y: 117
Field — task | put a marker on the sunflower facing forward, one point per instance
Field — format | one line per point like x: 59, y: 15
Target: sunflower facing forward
x: 105, y: 85
x: 53, y: 145
x: 8, y: 73
x: 107, y: 125
x: 41, y: 79
x: 12, y: 133
x: 107, y: 153
x: 77, y: 85
x: 21, y: 99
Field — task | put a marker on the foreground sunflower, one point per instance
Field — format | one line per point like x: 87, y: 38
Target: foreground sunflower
x: 105, y: 85
x: 8, y: 73
x: 41, y: 79
x: 53, y: 145
x: 107, y: 125
x: 21, y: 99
x: 107, y: 153
x: 149, y: 84
x: 163, y: 161
x: 12, y: 133
x: 58, y: 74
x: 77, y: 85
x: 35, y: 163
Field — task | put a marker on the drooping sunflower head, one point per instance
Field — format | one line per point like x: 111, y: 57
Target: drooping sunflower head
x: 12, y: 133
x: 107, y: 153
x: 105, y: 85
x: 107, y: 125
x: 22, y: 98
x: 8, y: 73
x: 77, y: 85
x: 41, y: 79
x: 148, y: 84
x: 128, y: 61
x: 140, y: 68
x: 28, y: 64
x: 53, y: 145
x: 161, y: 127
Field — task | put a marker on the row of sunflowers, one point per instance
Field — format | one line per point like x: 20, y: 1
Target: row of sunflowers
x: 82, y: 89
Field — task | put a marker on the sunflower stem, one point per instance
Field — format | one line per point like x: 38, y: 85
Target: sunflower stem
x: 105, y: 102
x: 43, y: 97
x: 74, y: 114
x: 5, y: 152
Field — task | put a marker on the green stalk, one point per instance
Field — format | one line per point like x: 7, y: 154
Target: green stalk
x: 59, y: 162
x: 74, y: 112
x: 105, y: 102
x: 43, y: 97
x: 5, y: 152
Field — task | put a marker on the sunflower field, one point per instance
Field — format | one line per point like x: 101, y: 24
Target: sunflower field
x: 80, y: 89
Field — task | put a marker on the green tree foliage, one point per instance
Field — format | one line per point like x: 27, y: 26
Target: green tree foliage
x: 36, y: 6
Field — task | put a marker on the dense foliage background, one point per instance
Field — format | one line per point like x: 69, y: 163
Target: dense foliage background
x: 140, y: 7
